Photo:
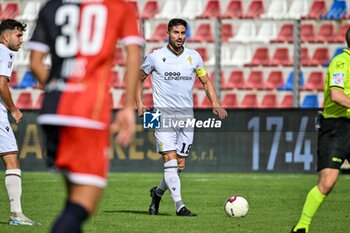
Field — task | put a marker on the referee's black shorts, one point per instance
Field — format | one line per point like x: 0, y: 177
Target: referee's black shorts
x: 333, y: 143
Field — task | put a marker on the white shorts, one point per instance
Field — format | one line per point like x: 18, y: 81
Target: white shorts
x: 178, y: 140
x: 8, y: 143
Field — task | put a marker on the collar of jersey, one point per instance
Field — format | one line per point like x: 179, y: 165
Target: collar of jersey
x: 172, y: 51
x: 346, y: 51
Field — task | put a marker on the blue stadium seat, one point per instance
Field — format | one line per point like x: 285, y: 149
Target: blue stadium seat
x: 310, y: 101
x: 28, y: 81
x: 338, y: 10
x: 336, y: 52
x: 289, y: 85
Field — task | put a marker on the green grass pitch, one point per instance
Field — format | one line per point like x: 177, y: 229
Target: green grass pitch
x: 275, y: 203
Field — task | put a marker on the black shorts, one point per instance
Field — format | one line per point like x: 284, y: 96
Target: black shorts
x: 333, y: 143
x: 51, y: 133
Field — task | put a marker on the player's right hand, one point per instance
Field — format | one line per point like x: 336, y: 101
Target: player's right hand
x: 17, y: 115
x: 124, y: 126
x: 141, y: 109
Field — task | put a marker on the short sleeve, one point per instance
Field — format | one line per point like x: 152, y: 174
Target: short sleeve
x: 6, y: 63
x: 39, y: 37
x: 148, y: 64
x: 337, y: 73
x: 130, y: 31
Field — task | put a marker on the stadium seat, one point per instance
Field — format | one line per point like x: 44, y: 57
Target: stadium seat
x: 30, y: 11
x: 171, y: 9
x: 326, y: 33
x: 255, y: 9
x: 229, y: 101
x: 274, y: 80
x: 305, y: 59
x: 192, y: 9
x: 246, y: 32
x: 195, y: 100
x: 233, y: 10
x: 24, y: 101
x: 13, y: 80
x: 226, y: 31
x: 338, y: 10
x: 307, y: 32
x: 249, y: 101
x: 269, y: 101
x: 160, y: 33
x: 38, y: 103
x: 119, y: 57
x: 315, y: 82
x: 242, y: 55
x: 287, y: 101
x: 202, y: 52
x: 267, y: 32
x: 340, y: 36
x: 212, y: 10
x: 212, y: 76
x: 336, y: 52
x: 198, y: 84
x: 147, y: 83
x: 310, y: 101
x: 203, y: 34
x: 11, y: 11
x: 150, y: 10
x: 285, y: 34
x: 225, y: 55
x: 121, y: 101
x: 206, y: 103
x: 255, y: 80
x: 281, y: 57
x: 235, y: 81
x: 28, y: 81
x: 276, y: 10
x: 317, y: 9
x: 320, y: 56
x: 116, y: 82
x: 298, y: 9
x: 289, y: 85
x: 261, y: 57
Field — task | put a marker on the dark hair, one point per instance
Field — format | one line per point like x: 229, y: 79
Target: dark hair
x: 347, y: 37
x: 11, y: 24
x: 176, y: 22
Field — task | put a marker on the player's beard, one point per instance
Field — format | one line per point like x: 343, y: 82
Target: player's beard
x: 177, y: 45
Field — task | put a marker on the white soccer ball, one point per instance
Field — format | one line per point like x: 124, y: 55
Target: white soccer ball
x: 236, y: 206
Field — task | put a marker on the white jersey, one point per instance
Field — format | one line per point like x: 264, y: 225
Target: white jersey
x: 173, y: 76
x: 6, y: 65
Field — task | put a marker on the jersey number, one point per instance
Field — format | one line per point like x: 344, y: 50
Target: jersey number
x: 82, y: 32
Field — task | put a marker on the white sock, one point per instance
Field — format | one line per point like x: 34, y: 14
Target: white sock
x: 172, y: 180
x: 13, y: 183
x: 161, y: 188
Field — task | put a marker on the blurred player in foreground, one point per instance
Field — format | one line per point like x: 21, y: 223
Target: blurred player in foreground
x: 81, y: 37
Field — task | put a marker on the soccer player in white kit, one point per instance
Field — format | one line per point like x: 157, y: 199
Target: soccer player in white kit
x: 174, y: 69
x: 11, y: 38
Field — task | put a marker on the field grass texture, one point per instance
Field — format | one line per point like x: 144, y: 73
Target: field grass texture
x: 275, y: 203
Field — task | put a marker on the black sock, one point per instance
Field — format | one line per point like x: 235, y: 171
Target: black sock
x: 71, y: 219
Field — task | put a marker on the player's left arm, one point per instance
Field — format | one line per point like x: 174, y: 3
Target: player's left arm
x: 211, y: 94
x: 5, y: 95
x: 38, y: 67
